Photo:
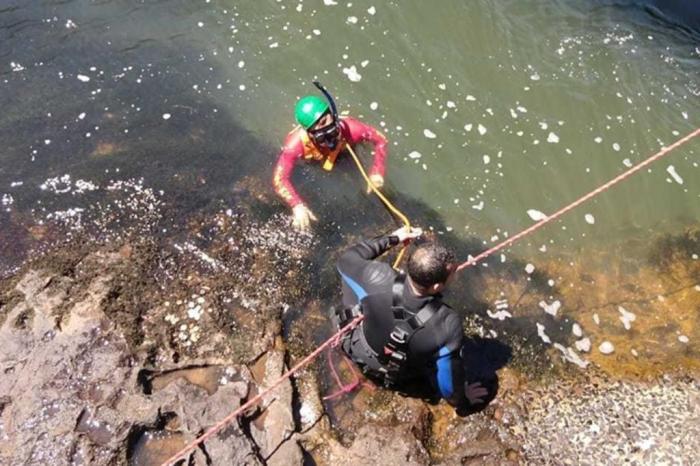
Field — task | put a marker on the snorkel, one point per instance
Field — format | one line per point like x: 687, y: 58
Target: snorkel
x: 334, y: 113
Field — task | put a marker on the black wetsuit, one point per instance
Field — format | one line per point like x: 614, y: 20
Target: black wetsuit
x: 434, y: 348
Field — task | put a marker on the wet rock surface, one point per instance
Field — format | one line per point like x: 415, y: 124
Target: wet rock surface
x: 124, y: 353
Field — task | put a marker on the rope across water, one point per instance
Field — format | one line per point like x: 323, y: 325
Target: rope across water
x: 471, y: 261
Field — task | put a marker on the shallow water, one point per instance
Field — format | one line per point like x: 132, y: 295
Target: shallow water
x: 119, y: 115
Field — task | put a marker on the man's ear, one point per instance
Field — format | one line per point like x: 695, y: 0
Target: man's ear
x: 436, y: 288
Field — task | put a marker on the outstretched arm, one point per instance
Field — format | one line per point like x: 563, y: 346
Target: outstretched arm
x: 281, y: 180
x: 356, y: 132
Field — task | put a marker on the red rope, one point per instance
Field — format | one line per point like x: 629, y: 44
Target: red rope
x: 664, y: 151
x: 221, y: 424
x: 333, y: 340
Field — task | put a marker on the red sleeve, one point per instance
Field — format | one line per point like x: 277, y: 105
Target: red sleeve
x: 281, y: 180
x: 356, y: 131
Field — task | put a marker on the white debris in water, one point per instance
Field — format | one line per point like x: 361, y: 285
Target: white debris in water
x: 166, y: 116
x: 374, y: 105
x: 571, y: 356
x: 329, y: 2
x: 535, y: 77
x: 70, y: 24
x: 576, y: 330
x: 478, y: 206
x: 529, y: 268
x: 241, y: 64
x: 451, y: 104
x: 598, y: 139
x: 16, y: 66
x: 596, y: 319
x: 606, y: 347
x: 499, y: 315
x: 352, y: 74
x: 241, y: 87
x: 482, y: 129
x: 487, y: 159
x: 7, y: 200
x: 371, y: 10
x: 414, y: 155
x: 58, y: 184
x: 81, y: 116
x: 536, y: 215
x: 352, y: 19
x: 627, y: 163
x: 83, y: 78
x: 468, y: 127
x: 14, y: 184
x: 683, y: 339
x: 616, y: 147
x: 626, y: 317
x: 634, y: 352
x: 470, y: 98
x: 552, y: 138
x: 274, y: 45
x: 171, y: 319
x: 541, y: 334
x: 676, y: 177
x: 583, y: 345
x: 589, y: 219
x: 551, y: 309
x: 429, y: 134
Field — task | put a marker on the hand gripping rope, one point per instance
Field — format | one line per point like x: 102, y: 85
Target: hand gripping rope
x: 333, y: 340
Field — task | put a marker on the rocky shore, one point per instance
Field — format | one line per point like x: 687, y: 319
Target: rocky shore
x: 123, y: 352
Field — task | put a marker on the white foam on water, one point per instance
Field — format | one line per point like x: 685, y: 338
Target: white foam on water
x: 552, y: 138
x: 676, y: 177
x: 598, y: 139
x: 589, y: 219
x: 576, y: 330
x: 478, y: 206
x: 83, y: 78
x: 166, y: 116
x: 451, y: 104
x: 583, y: 345
x: 352, y: 74
x: 241, y: 64
x: 626, y: 317
x: 499, y: 315
x: 470, y: 98
x: 482, y: 129
x: 374, y: 105
x: 415, y: 155
x: 616, y: 147
x: 81, y: 116
x: 486, y: 159
x: 329, y: 2
x: 541, y: 334
x: 536, y: 215
x: 551, y: 309
x: 571, y: 356
x: 529, y: 268
x: 371, y: 10
x: 627, y: 163
x: 352, y: 20
x: 606, y: 347
x: 429, y: 134
x: 468, y: 127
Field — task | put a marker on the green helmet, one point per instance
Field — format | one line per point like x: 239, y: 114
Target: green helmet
x: 309, y: 109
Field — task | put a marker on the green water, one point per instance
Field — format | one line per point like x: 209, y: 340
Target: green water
x: 492, y: 109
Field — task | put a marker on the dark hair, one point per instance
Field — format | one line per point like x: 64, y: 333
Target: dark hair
x: 430, y: 264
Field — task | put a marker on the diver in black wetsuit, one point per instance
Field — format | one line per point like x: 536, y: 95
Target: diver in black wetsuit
x: 408, y: 333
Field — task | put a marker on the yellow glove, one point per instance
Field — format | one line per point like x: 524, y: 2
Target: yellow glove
x: 377, y: 180
x: 302, y: 217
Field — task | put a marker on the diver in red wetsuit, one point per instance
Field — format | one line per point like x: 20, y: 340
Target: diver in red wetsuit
x: 322, y: 136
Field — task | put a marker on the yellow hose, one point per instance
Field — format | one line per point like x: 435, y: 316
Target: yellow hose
x: 386, y: 202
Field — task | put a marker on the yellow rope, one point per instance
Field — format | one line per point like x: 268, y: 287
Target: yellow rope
x: 386, y: 202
